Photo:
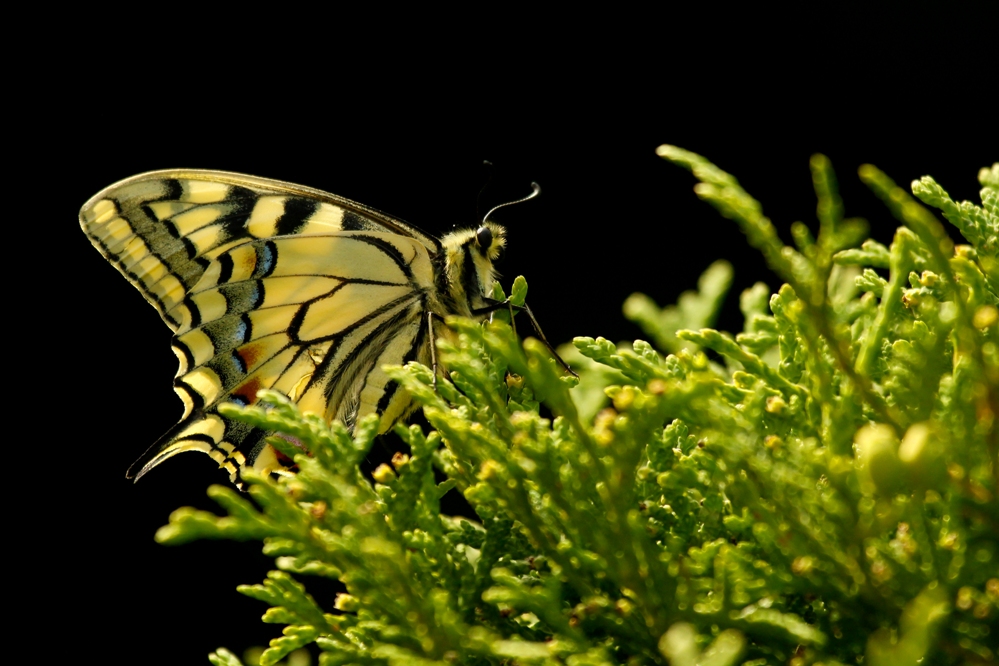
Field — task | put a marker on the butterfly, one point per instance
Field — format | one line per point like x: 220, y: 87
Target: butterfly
x: 267, y: 284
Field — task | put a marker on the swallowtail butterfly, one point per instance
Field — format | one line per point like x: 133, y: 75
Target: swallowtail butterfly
x: 267, y: 284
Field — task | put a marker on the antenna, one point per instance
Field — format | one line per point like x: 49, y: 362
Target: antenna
x: 536, y: 192
x: 488, y: 166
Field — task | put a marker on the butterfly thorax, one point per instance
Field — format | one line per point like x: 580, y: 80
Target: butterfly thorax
x: 468, y: 274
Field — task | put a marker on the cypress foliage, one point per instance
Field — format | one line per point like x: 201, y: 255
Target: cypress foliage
x: 818, y: 488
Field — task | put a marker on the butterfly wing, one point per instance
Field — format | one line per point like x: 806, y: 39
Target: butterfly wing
x: 161, y: 229
x: 267, y: 285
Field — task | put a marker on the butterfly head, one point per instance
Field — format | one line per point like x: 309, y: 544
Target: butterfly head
x: 490, y: 239
x: 469, y: 256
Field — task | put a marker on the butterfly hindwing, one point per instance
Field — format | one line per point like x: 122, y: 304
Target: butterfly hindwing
x: 267, y: 285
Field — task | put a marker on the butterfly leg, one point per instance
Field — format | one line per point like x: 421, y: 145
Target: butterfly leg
x: 496, y: 305
x: 433, y: 346
x: 541, y: 336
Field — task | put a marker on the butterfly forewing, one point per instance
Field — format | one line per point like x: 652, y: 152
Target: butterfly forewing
x: 267, y: 285
x: 161, y: 229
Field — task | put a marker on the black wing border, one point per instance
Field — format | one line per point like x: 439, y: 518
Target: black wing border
x: 269, y: 185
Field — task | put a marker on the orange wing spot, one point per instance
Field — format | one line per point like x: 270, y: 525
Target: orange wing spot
x: 250, y: 354
x: 248, y: 391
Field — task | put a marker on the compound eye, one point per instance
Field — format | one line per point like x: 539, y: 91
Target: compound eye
x: 484, y: 238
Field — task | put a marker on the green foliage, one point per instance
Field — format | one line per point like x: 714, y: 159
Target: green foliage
x: 828, y: 495
x: 694, y: 309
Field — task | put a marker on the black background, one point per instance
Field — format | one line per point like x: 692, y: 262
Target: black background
x: 399, y: 114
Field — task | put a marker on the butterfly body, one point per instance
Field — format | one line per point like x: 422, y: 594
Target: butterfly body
x: 268, y: 284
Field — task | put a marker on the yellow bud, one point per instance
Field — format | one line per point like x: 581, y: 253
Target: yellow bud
x: 624, y: 607
x: 776, y: 405
x: 383, y: 474
x: 992, y: 589
x: 657, y: 387
x: 624, y: 398
x: 346, y: 602
x: 965, y: 251
x: 877, y: 457
x: 964, y: 598
x: 985, y: 316
x: 604, y: 419
x: 802, y: 566
x: 604, y: 437
x: 318, y: 510
x: 921, y: 452
x: 489, y: 469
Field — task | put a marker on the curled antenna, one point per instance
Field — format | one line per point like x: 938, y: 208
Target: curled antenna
x: 536, y: 192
